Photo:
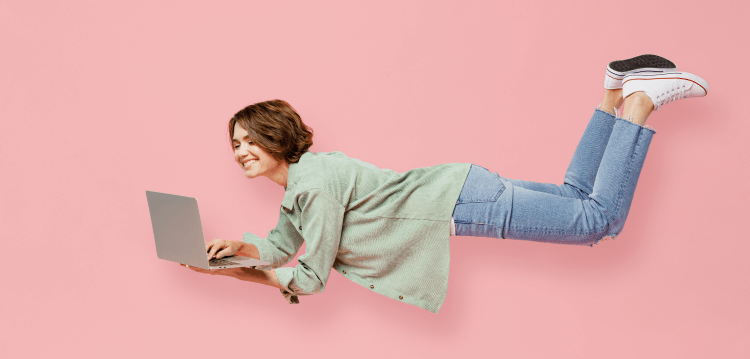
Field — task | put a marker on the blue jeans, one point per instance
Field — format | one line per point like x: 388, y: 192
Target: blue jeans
x: 591, y: 204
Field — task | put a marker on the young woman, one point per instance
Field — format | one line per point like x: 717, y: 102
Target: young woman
x: 389, y: 231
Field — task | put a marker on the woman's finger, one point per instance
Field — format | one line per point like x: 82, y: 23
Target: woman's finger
x: 224, y: 253
x: 215, y: 248
x: 209, y: 248
x: 212, y: 243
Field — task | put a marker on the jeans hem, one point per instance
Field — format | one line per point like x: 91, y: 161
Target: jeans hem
x: 647, y: 127
x: 599, y: 108
x: 616, y: 115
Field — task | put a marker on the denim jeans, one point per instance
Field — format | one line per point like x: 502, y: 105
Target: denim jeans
x: 591, y: 204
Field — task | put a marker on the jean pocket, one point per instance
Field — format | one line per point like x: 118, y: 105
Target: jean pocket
x: 481, y: 185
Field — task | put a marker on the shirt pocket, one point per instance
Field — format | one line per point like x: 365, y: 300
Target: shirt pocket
x: 481, y: 185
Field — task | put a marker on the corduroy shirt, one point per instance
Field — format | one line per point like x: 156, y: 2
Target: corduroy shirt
x: 386, y: 231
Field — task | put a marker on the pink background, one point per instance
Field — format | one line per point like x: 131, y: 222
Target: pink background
x: 100, y: 102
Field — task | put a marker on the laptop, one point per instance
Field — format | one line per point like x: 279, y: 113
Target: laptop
x: 179, y: 234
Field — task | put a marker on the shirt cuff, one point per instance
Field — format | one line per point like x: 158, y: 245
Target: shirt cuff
x: 264, y: 249
x: 284, y: 276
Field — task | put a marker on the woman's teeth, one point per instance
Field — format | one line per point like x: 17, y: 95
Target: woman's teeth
x: 248, y: 163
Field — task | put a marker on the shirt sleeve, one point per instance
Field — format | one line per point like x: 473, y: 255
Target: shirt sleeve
x: 281, y: 245
x: 322, y: 218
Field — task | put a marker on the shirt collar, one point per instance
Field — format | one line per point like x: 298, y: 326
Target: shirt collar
x: 292, y: 178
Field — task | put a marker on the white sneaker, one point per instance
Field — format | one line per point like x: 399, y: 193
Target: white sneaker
x: 644, y: 64
x: 665, y: 87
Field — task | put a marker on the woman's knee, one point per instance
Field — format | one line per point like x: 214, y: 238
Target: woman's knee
x: 603, y: 224
x: 590, y: 238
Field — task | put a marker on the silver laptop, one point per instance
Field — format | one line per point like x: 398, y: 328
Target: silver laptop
x: 179, y: 234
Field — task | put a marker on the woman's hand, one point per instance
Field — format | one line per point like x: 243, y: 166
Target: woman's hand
x: 225, y: 271
x: 196, y: 269
x: 219, y: 248
x: 267, y: 277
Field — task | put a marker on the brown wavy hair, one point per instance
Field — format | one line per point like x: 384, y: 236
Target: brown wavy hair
x: 276, y: 127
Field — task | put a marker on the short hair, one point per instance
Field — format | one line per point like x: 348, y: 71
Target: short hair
x: 275, y: 127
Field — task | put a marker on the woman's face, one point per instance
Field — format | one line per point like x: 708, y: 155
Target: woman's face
x: 254, y: 160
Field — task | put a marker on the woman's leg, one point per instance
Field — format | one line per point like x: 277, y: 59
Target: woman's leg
x: 581, y: 173
x: 600, y: 184
x: 579, y: 179
x: 491, y: 206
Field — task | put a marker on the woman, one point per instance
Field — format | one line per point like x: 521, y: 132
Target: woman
x: 389, y: 231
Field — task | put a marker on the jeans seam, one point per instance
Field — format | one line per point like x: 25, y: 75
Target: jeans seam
x: 495, y: 197
x: 495, y: 227
x: 628, y: 177
x: 559, y: 232
x: 550, y: 238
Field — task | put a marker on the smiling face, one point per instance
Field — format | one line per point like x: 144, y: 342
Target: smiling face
x: 254, y: 160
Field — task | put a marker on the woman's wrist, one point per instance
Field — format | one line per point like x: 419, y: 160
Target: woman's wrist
x: 249, y: 250
x: 232, y: 272
x: 267, y: 277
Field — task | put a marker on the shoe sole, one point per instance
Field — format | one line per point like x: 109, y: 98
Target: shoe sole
x: 642, y: 64
x: 671, y: 75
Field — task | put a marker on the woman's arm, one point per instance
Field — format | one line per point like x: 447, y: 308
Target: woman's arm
x: 249, y: 250
x: 321, y: 219
x: 279, y: 247
x: 267, y: 277
x: 219, y: 248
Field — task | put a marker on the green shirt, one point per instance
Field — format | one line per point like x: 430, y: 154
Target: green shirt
x: 384, y: 230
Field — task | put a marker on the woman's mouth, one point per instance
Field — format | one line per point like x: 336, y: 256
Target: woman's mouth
x: 248, y: 163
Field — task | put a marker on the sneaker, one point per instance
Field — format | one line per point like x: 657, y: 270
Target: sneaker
x: 665, y: 87
x: 644, y: 64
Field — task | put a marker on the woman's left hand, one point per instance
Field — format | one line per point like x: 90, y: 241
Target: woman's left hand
x: 226, y: 271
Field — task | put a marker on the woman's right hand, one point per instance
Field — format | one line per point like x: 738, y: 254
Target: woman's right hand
x: 219, y: 248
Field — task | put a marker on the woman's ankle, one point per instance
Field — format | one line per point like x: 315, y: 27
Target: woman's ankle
x: 608, y: 109
x: 612, y: 100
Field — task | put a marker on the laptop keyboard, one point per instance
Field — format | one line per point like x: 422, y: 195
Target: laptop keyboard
x: 220, y: 262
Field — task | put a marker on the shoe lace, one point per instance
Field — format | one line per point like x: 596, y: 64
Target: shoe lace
x: 672, y: 95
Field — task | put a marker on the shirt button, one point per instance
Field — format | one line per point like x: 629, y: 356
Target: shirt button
x: 300, y: 228
x: 400, y: 297
x: 372, y: 286
x: 344, y: 271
